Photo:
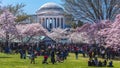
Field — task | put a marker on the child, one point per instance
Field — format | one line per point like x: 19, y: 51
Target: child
x: 110, y: 64
x: 45, y: 57
x: 105, y: 63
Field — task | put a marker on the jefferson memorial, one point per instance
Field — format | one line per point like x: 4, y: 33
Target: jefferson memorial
x: 50, y: 15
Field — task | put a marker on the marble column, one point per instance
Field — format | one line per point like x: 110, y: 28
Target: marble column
x: 53, y: 25
x: 29, y: 20
x: 41, y: 20
x: 56, y: 22
x: 63, y: 22
x: 60, y: 22
x: 37, y: 19
x: 45, y: 22
x: 48, y: 23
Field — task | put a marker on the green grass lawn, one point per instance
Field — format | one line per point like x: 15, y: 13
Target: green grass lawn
x: 13, y: 61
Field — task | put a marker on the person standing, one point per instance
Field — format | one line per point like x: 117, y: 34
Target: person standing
x: 45, y: 57
x: 21, y: 53
x: 58, y: 56
x: 103, y: 54
x: 53, y: 57
x: 32, y: 58
x: 76, y: 52
x: 24, y: 53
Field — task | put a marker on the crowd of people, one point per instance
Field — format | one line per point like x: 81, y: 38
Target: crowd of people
x: 99, y: 63
x: 59, y: 52
x: 95, y: 50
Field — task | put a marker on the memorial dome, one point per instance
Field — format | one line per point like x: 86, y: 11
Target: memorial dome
x: 49, y: 8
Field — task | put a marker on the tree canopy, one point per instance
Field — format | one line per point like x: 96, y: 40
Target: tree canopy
x: 92, y: 10
x: 17, y: 10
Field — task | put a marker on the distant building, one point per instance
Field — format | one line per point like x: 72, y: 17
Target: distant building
x: 50, y: 15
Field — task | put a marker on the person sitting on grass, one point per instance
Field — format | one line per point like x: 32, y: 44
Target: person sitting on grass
x: 93, y: 62
x: 96, y: 61
x: 100, y: 63
x: 110, y: 64
x: 104, y: 62
x: 89, y: 63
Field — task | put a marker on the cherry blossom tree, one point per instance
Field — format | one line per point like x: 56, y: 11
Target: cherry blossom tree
x: 93, y: 29
x: 8, y: 29
x: 30, y: 30
x: 77, y: 37
x: 57, y: 34
x: 112, y: 34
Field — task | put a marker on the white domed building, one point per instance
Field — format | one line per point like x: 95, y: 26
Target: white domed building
x: 50, y: 15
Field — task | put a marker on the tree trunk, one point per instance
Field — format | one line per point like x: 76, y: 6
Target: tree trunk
x: 7, y: 47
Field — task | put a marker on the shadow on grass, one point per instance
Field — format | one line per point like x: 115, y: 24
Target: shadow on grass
x: 5, y: 57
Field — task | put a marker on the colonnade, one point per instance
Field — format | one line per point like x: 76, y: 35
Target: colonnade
x: 52, y: 22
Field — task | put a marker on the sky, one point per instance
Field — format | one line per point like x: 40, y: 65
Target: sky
x: 31, y: 5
